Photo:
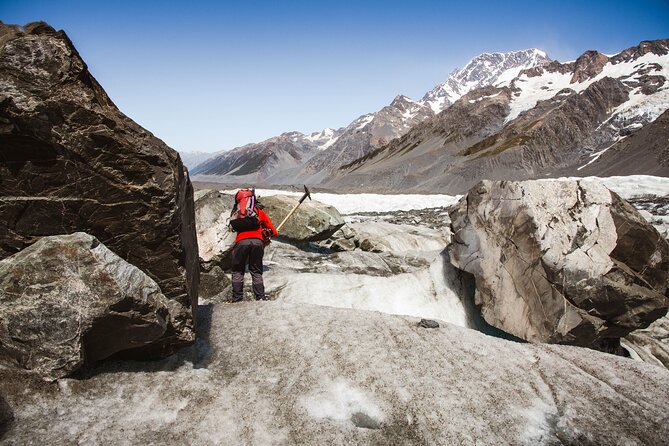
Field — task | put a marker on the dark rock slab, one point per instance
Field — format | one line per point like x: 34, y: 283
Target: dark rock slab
x: 428, y: 323
x: 213, y: 283
x: 71, y: 161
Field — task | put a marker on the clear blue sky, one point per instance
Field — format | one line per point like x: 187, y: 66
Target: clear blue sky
x: 213, y: 75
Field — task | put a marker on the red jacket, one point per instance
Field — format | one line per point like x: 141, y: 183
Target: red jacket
x: 265, y: 222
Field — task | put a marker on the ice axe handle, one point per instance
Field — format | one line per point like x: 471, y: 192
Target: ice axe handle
x: 304, y: 197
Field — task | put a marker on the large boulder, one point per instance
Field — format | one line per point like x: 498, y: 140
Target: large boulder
x: 71, y: 161
x: 67, y: 300
x: 313, y: 221
x: 560, y: 261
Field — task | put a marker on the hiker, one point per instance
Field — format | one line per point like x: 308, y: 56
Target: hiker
x: 254, y: 230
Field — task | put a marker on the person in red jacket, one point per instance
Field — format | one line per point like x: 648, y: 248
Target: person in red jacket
x: 249, y: 250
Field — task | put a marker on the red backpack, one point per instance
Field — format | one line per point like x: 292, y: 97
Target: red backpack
x: 244, y: 216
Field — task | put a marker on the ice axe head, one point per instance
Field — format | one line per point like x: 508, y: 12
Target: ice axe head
x: 306, y: 194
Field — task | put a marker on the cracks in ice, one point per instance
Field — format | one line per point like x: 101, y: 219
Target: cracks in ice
x: 554, y: 396
x: 569, y: 363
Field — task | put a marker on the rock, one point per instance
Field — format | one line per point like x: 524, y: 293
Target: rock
x: 66, y: 300
x: 313, y: 221
x: 372, y: 245
x: 362, y: 420
x: 213, y: 283
x: 560, y: 261
x: 651, y: 344
x: 214, y: 237
x: 71, y: 161
x: 343, y: 244
x: 344, y: 239
x: 381, y: 236
x: 428, y: 323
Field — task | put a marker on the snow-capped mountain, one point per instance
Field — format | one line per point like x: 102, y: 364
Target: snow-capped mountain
x: 514, y: 116
x: 325, y: 138
x: 374, y: 130
x: 365, y: 134
x: 550, y: 120
x: 485, y: 69
x: 643, y: 70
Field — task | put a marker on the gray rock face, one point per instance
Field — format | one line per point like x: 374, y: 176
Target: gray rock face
x: 313, y: 221
x: 67, y: 300
x: 651, y: 344
x: 215, y: 238
x: 560, y: 261
x: 215, y: 241
x: 644, y: 152
x: 71, y: 161
x: 344, y: 239
x: 214, y: 282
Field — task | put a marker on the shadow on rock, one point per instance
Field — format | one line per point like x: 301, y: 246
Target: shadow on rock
x: 197, y: 354
x: 6, y: 417
x: 467, y: 285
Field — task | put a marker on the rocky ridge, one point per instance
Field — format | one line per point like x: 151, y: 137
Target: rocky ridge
x: 255, y: 162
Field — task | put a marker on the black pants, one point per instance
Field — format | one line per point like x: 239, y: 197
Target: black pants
x: 247, y: 252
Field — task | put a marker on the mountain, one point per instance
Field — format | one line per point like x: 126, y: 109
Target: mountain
x: 362, y: 136
x: 253, y: 163
x: 644, y: 152
x: 192, y: 159
x: 374, y: 130
x: 485, y: 69
x: 549, y: 120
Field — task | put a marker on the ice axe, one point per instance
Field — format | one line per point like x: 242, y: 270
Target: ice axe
x: 304, y: 197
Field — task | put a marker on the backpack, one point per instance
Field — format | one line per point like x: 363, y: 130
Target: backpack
x: 244, y: 216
